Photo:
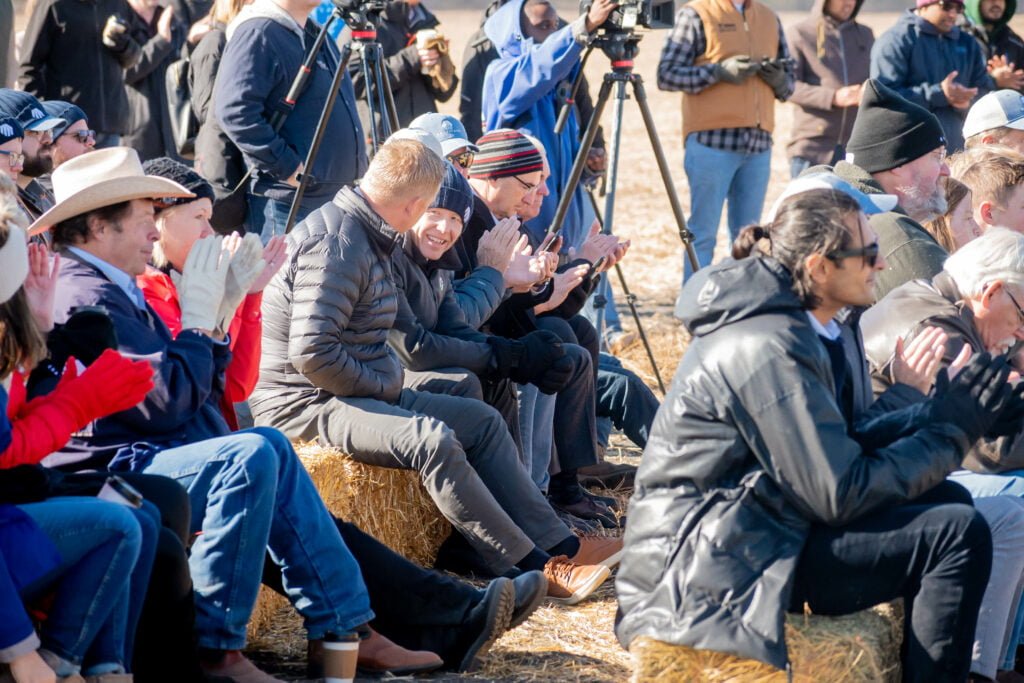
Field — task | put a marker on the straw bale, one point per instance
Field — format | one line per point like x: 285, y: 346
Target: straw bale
x: 860, y: 647
x: 389, y: 504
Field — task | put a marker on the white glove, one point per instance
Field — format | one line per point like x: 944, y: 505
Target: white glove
x: 246, y: 265
x: 200, y: 286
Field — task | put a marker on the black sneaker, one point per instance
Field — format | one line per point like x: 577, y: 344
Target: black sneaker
x: 586, y: 508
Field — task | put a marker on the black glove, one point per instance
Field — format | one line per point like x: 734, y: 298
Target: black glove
x: 505, y: 355
x: 975, y: 398
x: 1011, y: 420
x: 541, y: 349
x: 735, y: 69
x: 557, y: 376
x: 774, y: 74
x: 86, y: 334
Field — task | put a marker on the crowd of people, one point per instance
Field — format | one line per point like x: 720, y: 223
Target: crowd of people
x: 846, y: 426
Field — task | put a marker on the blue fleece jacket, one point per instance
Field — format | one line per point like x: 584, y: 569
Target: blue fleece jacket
x: 521, y: 90
x: 262, y: 56
x: 913, y: 58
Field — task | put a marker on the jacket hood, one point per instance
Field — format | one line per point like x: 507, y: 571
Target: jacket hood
x: 505, y: 30
x: 736, y: 290
x: 972, y: 8
x: 264, y: 9
x: 818, y: 10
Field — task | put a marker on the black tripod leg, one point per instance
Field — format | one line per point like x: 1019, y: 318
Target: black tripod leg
x: 631, y: 300
x: 581, y: 158
x: 666, y: 176
x: 318, y: 137
x: 369, y: 87
x: 388, y: 100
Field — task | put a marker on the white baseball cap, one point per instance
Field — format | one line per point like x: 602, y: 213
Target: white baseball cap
x: 825, y: 180
x: 999, y: 109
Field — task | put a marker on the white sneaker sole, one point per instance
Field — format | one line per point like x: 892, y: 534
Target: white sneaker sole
x: 583, y: 592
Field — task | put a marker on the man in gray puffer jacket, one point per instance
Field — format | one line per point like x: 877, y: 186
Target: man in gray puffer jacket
x: 328, y: 373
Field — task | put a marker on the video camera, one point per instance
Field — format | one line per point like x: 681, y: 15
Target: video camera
x: 360, y: 14
x: 630, y: 14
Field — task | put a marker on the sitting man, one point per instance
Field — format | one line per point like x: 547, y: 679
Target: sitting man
x: 755, y: 453
x: 37, y: 146
x: 249, y: 492
x: 995, y: 177
x: 897, y: 147
x: 328, y: 373
x: 996, y: 119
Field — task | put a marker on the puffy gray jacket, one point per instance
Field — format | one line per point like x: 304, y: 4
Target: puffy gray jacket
x: 911, y: 309
x: 327, y: 313
x: 747, y: 451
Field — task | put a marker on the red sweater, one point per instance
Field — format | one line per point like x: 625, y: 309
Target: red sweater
x: 245, y: 337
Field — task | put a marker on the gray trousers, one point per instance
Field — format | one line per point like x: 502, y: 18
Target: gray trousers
x: 463, y: 451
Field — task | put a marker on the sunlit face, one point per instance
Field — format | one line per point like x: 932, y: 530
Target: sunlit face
x: 997, y: 317
x: 850, y: 280
x: 921, y: 194
x: 38, y: 150
x: 70, y: 144
x: 127, y: 243
x: 505, y: 196
x: 1010, y: 213
x: 531, y: 204
x: 942, y: 15
x: 962, y: 224
x: 11, y: 159
x: 180, y: 226
x: 436, y: 232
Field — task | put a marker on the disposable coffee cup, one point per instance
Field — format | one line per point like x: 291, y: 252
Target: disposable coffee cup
x: 117, y: 490
x: 340, y: 657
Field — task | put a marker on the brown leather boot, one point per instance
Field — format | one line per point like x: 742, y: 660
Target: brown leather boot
x: 377, y: 655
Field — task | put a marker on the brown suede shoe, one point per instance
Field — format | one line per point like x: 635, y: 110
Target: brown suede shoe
x: 236, y: 667
x: 603, y: 550
x: 569, y: 583
x: 377, y: 655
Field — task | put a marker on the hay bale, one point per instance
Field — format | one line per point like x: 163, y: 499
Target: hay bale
x: 861, y: 647
x: 389, y: 504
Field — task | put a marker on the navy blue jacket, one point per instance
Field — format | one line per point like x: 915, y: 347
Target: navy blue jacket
x: 913, y: 57
x: 262, y: 57
x: 188, y: 374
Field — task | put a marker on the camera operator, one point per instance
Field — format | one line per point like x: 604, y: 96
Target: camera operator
x: 731, y: 63
x: 525, y: 88
x: 265, y: 49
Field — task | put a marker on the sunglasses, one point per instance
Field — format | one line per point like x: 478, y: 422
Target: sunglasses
x: 465, y: 159
x: 14, y: 159
x: 950, y: 6
x: 84, y: 135
x: 868, y: 253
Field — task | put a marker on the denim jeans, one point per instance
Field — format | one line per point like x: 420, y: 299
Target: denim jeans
x: 717, y: 176
x: 268, y: 217
x: 536, y: 417
x: 611, y: 323
x: 250, y: 494
x: 623, y: 400
x: 798, y: 165
x: 100, y: 545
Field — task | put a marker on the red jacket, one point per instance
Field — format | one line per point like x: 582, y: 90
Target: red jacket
x: 245, y: 336
x: 39, y: 427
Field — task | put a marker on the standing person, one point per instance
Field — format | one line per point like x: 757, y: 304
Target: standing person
x: 833, y: 59
x: 77, y: 52
x: 731, y: 63
x: 265, y: 49
x: 929, y: 60
x: 479, y: 52
x: 1003, y: 48
x: 416, y: 58
x: 156, y: 29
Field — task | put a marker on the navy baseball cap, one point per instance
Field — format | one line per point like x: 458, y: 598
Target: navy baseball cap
x: 27, y: 109
x: 68, y: 114
x: 10, y: 129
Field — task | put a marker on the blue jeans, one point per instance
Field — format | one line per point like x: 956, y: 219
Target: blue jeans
x: 717, y: 176
x: 623, y: 399
x: 101, y: 545
x: 535, y: 411
x: 611, y: 323
x: 268, y: 217
x: 250, y: 495
x: 798, y: 165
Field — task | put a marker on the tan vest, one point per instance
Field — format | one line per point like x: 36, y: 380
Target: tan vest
x: 750, y: 104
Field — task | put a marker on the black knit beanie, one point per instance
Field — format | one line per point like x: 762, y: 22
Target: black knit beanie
x: 890, y: 130
x: 183, y: 175
x: 455, y: 194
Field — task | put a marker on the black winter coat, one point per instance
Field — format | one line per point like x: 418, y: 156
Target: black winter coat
x: 747, y: 451
x: 63, y: 58
x: 327, y: 313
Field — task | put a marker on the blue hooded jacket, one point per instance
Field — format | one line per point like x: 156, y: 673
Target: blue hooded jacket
x: 913, y: 57
x: 521, y: 90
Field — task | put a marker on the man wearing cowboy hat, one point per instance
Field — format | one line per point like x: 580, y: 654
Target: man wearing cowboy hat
x: 250, y: 489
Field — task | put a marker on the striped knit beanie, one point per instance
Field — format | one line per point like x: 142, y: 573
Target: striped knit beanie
x: 503, y: 153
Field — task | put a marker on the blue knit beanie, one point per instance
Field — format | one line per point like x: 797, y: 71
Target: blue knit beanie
x: 455, y: 194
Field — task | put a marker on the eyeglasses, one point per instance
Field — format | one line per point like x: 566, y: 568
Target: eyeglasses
x: 84, y: 135
x: 465, y: 159
x: 14, y: 159
x: 951, y: 6
x: 529, y: 188
x: 868, y: 253
x: 1020, y: 311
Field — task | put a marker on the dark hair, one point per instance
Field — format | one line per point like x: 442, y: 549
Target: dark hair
x: 22, y: 343
x: 75, y: 230
x: 807, y: 223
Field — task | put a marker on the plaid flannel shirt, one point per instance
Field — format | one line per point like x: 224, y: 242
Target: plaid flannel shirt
x: 676, y: 71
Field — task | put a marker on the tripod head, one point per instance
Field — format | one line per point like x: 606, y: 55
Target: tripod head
x: 621, y: 47
x: 360, y: 15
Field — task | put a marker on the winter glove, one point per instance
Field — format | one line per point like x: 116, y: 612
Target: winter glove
x: 735, y: 69
x: 557, y: 377
x: 774, y: 74
x: 505, y: 355
x: 544, y: 362
x: 112, y: 384
x: 1011, y: 420
x: 975, y: 398
x: 86, y: 334
x: 246, y: 265
x: 115, y: 33
x: 201, y: 284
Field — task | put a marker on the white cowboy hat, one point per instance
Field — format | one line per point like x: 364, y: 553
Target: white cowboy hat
x: 102, y: 178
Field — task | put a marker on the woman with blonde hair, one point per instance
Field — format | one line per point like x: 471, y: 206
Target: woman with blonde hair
x: 956, y: 227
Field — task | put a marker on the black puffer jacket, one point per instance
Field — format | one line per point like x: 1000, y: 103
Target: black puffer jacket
x: 327, y: 314
x: 747, y: 451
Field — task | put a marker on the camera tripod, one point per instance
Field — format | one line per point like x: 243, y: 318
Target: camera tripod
x: 620, y: 48
x: 362, y: 19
